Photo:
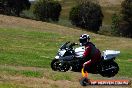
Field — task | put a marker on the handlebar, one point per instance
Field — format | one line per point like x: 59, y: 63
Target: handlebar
x: 73, y: 44
x: 67, y: 42
x: 64, y: 45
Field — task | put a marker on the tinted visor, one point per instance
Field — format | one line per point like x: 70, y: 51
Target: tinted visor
x: 82, y: 40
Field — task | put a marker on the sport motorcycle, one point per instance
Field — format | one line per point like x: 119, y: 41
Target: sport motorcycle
x: 71, y: 58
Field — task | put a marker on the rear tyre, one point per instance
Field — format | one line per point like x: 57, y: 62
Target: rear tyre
x: 109, y: 69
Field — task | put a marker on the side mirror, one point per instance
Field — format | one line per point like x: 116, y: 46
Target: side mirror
x: 73, y: 44
x: 67, y: 42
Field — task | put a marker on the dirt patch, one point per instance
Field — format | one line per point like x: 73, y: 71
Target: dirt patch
x: 109, y: 3
x: 22, y: 68
x: 47, y: 83
x: 40, y: 82
x: 44, y: 82
x: 129, y: 60
x: 10, y: 21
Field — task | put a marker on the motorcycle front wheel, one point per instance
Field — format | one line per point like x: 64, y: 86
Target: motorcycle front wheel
x: 55, y: 64
x: 64, y: 67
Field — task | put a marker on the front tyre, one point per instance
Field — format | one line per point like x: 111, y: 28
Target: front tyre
x: 64, y: 67
x: 55, y: 64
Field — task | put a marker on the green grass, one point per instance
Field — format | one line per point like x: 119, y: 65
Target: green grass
x: 7, y: 85
x: 34, y: 47
x: 60, y: 76
x: 20, y: 47
x: 27, y: 73
x: 27, y: 48
x: 125, y: 63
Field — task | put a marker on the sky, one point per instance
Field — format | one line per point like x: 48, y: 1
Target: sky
x: 31, y: 0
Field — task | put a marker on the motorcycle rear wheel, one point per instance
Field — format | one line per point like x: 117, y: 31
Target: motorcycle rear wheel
x: 110, y: 69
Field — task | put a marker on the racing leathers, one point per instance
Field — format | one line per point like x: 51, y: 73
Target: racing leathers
x: 92, y: 56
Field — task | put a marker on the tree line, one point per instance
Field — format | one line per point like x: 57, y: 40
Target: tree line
x: 86, y: 14
x: 13, y: 7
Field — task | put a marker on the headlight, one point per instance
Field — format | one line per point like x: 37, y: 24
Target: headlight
x: 56, y: 57
x: 61, y: 53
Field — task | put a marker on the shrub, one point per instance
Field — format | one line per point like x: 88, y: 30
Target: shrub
x: 14, y: 7
x: 127, y: 10
x: 87, y: 15
x: 123, y: 25
x: 105, y: 30
x: 115, y: 25
x: 46, y: 10
x: 74, y: 16
x: 125, y: 29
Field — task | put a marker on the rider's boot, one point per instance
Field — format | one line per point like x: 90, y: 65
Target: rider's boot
x: 84, y: 73
x: 84, y: 81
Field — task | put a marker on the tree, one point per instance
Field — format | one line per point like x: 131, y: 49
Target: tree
x: 15, y: 7
x: 3, y: 7
x: 87, y: 15
x: 124, y: 23
x: 127, y: 10
x: 46, y: 10
x: 18, y: 6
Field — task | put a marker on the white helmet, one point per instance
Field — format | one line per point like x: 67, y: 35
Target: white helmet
x: 84, y: 38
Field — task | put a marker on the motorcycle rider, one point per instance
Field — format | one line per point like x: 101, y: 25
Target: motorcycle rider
x: 91, y: 55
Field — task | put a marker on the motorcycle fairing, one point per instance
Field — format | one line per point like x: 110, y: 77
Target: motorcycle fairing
x: 109, y: 54
x: 79, y: 51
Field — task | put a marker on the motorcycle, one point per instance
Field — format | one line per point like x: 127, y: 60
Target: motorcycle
x: 70, y: 58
